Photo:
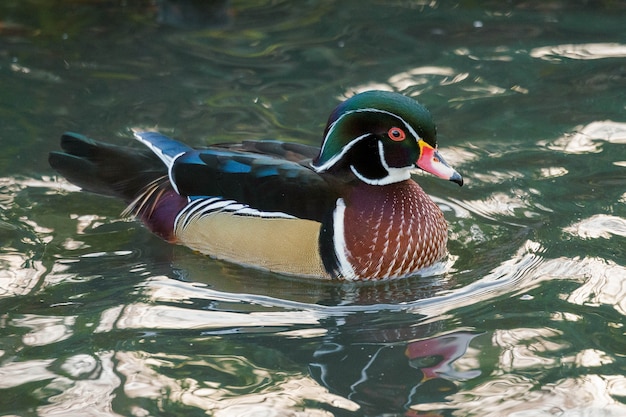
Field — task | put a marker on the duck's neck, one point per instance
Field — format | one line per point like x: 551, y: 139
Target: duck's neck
x: 387, y: 231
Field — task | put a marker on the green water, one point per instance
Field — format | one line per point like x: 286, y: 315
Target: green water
x: 100, y: 318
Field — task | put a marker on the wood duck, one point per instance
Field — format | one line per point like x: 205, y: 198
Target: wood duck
x: 348, y: 210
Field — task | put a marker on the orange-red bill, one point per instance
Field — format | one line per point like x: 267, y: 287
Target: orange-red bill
x: 431, y: 161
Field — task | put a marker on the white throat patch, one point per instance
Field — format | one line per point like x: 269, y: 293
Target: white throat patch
x: 394, y: 174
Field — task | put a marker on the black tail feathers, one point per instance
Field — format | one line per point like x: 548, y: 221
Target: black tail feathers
x: 106, y: 169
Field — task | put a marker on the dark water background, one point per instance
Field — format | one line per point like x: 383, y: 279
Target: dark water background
x: 100, y: 318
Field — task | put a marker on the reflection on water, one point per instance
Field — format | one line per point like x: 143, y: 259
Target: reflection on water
x: 600, y: 225
x: 581, y: 51
x: 590, y: 138
x: 389, y: 372
x: 99, y: 318
x: 281, y: 354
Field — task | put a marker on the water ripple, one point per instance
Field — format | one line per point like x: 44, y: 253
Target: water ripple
x: 589, y: 138
x: 599, y: 225
x: 150, y: 376
x: 605, y: 284
x: 516, y: 275
x: 583, y: 51
x: 515, y: 396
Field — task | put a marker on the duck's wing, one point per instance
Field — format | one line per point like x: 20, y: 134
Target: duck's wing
x: 290, y: 151
x: 261, y: 175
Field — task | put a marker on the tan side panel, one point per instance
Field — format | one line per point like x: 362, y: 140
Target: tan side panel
x: 288, y: 246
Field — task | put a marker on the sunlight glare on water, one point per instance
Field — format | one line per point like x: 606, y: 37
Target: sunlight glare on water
x: 524, y: 317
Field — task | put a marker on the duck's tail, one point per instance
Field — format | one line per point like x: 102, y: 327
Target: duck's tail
x: 106, y: 169
x: 137, y: 176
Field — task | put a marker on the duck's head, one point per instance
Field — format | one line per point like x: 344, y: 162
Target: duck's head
x: 381, y: 137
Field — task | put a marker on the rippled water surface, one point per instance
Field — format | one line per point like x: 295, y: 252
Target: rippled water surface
x: 100, y: 318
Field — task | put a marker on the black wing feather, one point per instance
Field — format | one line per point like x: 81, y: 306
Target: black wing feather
x: 263, y: 182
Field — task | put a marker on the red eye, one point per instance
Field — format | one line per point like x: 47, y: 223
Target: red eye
x: 397, y: 134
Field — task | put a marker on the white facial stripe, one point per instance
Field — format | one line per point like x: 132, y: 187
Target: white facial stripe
x: 372, y: 110
x: 332, y: 161
x: 394, y: 174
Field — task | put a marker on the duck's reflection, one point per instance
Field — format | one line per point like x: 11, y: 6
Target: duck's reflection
x: 391, y: 369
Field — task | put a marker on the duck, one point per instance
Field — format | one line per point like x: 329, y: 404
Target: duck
x: 349, y: 210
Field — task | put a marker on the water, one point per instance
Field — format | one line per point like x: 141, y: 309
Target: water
x: 100, y: 318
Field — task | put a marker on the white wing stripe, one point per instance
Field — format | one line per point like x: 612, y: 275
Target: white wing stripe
x: 199, y: 208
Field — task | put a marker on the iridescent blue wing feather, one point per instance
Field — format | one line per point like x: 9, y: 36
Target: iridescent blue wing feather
x: 166, y: 148
x: 269, y: 176
x: 263, y: 182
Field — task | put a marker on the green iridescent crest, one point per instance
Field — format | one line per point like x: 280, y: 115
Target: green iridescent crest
x: 372, y: 113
